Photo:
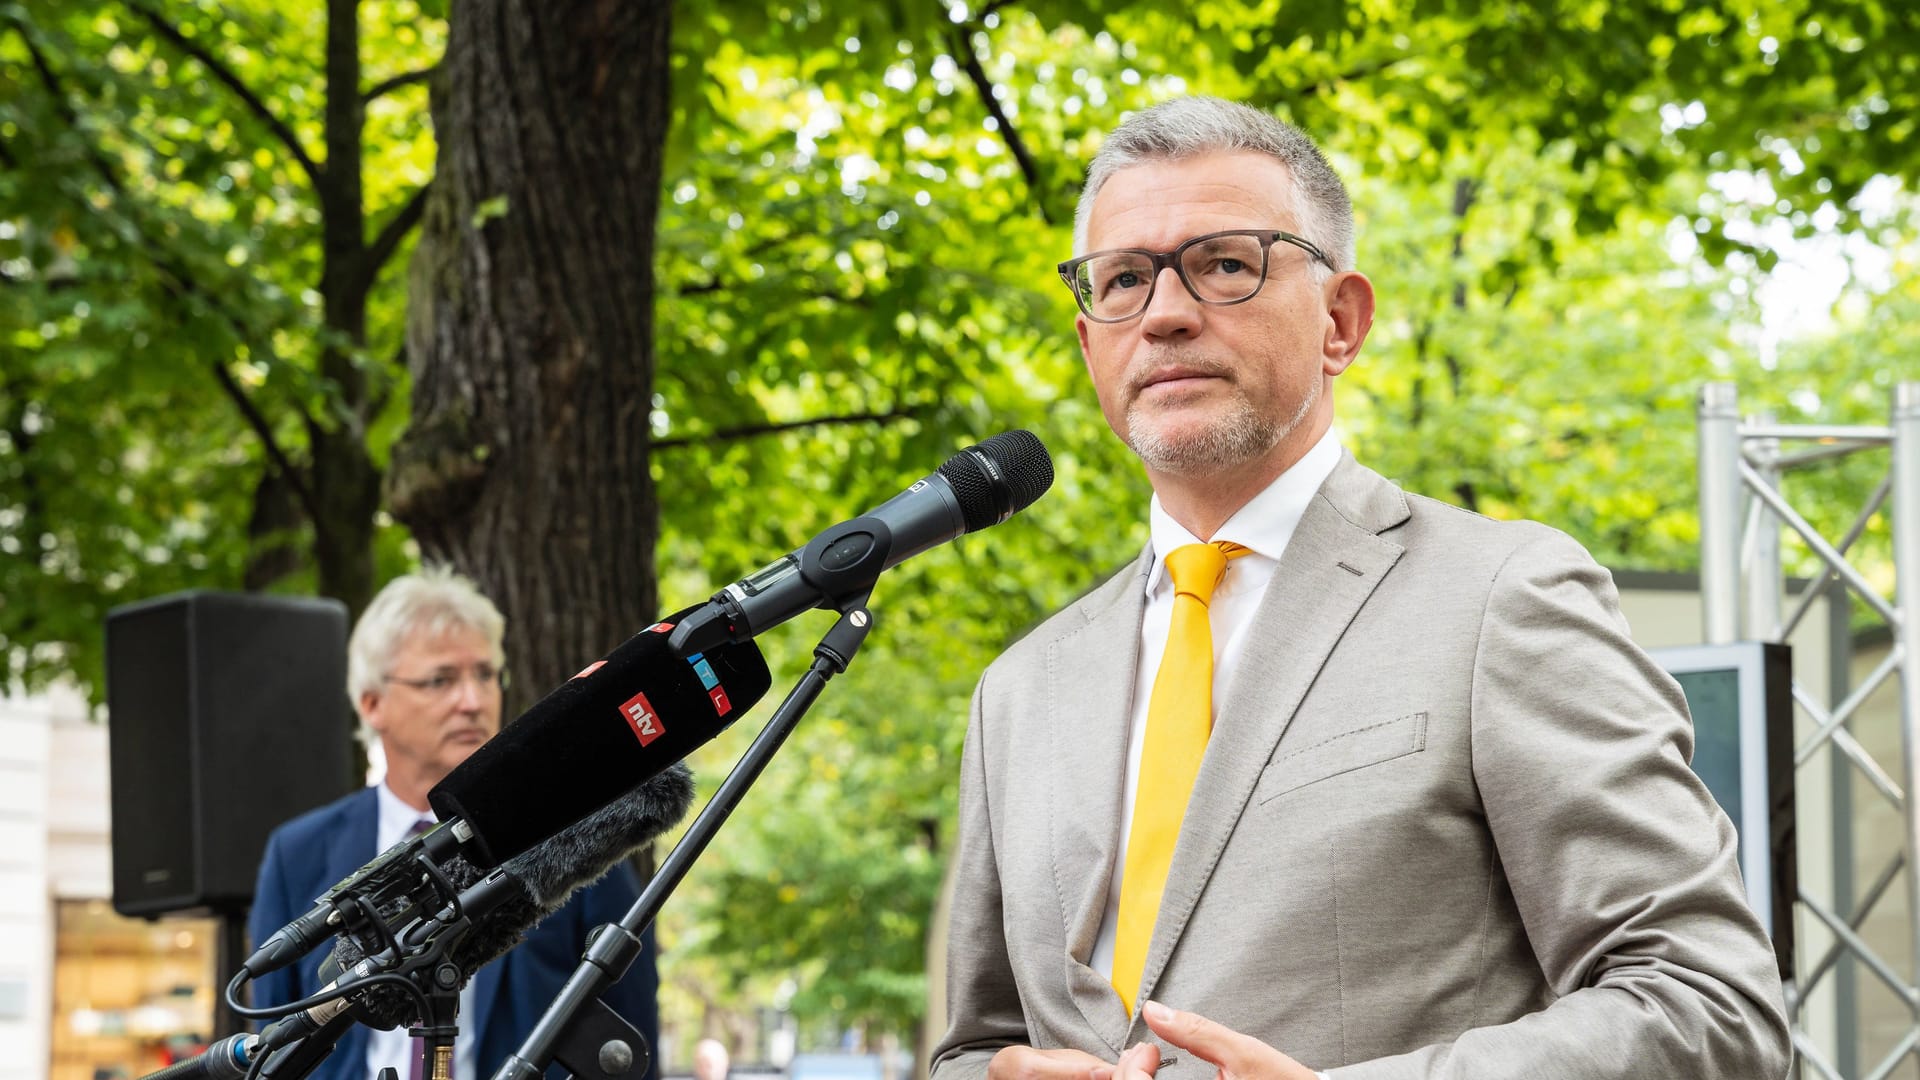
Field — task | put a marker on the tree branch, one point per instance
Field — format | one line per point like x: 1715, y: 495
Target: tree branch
x: 176, y: 283
x: 51, y: 79
x: 392, y: 83
x: 962, y: 46
x: 52, y: 285
x: 718, y: 285
x: 221, y: 72
x: 260, y: 427
x: 750, y: 431
x: 394, y: 231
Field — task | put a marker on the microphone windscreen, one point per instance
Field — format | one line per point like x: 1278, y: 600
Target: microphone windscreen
x: 544, y: 877
x: 998, y: 478
x: 579, y: 854
x: 619, y: 722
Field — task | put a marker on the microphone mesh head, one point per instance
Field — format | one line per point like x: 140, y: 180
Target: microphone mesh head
x: 999, y: 477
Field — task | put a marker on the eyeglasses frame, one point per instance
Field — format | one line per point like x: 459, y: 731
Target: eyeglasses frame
x: 499, y: 681
x: 1163, y: 259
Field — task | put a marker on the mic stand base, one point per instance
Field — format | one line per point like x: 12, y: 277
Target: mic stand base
x: 612, y: 949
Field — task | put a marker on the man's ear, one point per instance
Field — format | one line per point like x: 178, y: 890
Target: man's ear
x: 1350, y: 316
x: 369, y: 709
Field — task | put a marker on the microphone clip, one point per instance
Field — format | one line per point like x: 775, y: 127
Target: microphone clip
x: 848, y: 633
x: 843, y: 562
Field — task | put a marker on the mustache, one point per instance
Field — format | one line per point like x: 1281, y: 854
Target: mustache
x: 1163, y: 361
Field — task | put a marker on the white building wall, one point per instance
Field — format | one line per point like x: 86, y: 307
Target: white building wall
x: 43, y: 741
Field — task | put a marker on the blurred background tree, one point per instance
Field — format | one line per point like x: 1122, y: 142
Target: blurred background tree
x: 693, y: 281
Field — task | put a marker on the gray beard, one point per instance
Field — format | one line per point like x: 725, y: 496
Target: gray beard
x: 1234, y: 439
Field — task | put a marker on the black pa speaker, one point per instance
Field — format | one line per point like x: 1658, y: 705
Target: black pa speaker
x: 227, y: 714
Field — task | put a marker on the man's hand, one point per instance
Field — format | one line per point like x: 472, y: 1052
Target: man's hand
x: 1239, y: 1057
x: 1026, y: 1063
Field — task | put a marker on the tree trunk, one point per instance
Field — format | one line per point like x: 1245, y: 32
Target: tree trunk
x: 345, y: 480
x: 530, y: 323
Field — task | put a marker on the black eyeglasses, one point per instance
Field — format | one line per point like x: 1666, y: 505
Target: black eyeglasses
x: 1218, y: 268
x: 445, y: 681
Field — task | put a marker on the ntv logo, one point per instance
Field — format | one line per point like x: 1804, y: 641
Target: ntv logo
x: 641, y: 717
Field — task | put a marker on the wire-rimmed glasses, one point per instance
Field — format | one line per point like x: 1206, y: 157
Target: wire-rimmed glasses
x: 445, y: 681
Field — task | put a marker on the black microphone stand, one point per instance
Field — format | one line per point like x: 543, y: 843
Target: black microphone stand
x: 579, y: 1030
x: 437, y: 1030
x: 300, y: 1041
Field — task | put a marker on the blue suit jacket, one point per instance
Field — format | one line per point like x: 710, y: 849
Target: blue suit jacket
x: 308, y: 855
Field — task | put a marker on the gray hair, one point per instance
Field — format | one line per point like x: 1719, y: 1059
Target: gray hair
x: 430, y: 603
x: 1191, y: 126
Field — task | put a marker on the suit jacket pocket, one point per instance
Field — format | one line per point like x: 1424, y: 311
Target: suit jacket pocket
x: 1343, y: 753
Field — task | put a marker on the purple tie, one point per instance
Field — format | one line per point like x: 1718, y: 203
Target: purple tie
x: 416, y: 1048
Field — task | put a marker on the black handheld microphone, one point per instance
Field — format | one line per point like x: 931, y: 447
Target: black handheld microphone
x: 624, y: 719
x: 980, y: 486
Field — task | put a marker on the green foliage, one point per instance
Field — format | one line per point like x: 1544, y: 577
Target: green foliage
x: 160, y: 260
x: 860, y: 249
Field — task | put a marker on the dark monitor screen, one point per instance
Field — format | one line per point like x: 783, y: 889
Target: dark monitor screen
x: 1713, y: 697
x: 1741, y: 698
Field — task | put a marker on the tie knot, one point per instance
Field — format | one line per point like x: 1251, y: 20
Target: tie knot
x: 419, y: 827
x: 1196, y: 569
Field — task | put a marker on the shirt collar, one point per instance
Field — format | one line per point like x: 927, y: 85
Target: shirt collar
x: 1265, y: 524
x: 396, y: 817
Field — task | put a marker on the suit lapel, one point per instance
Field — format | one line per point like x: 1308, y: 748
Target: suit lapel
x: 1090, y: 679
x: 350, y: 848
x: 1332, y: 564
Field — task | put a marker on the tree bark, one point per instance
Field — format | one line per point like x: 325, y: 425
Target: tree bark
x: 530, y: 323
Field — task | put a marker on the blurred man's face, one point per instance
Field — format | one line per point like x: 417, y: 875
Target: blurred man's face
x: 709, y: 1061
x: 439, y: 700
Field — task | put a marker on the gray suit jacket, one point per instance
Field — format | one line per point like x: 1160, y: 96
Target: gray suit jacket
x: 1444, y: 828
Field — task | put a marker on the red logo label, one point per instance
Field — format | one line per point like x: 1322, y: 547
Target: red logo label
x: 658, y: 628
x: 720, y: 703
x: 639, y: 714
x: 590, y: 669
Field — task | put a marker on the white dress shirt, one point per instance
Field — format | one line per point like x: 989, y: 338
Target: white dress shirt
x: 1264, y: 525
x: 395, y: 1047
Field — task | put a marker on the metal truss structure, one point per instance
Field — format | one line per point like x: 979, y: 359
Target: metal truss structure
x: 1743, y: 512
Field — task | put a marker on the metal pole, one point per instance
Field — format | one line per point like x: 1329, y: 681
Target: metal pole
x: 1846, y: 975
x: 1719, y: 425
x: 1765, y: 577
x: 1906, y: 572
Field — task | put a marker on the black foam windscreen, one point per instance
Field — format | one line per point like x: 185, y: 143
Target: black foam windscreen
x: 998, y: 478
x: 622, y: 720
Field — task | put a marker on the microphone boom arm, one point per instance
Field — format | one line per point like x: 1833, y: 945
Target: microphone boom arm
x: 571, y: 1029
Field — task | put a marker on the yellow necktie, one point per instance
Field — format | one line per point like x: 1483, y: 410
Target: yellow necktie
x: 1179, y: 719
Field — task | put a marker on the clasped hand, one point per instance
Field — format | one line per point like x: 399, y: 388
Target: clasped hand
x: 1235, y: 1056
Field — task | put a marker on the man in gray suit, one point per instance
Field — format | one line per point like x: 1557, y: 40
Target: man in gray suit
x: 1435, y: 819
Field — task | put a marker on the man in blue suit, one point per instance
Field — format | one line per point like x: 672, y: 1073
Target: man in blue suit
x: 425, y: 669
